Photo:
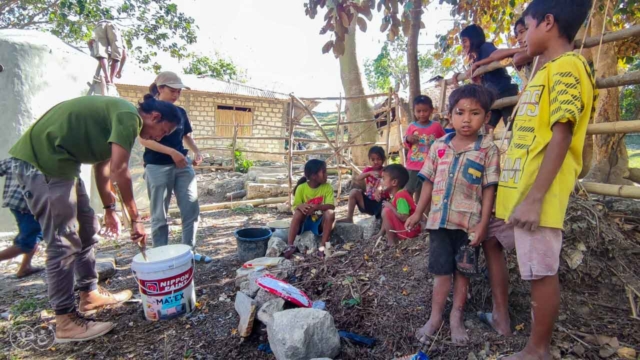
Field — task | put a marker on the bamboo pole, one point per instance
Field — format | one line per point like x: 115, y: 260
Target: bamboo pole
x: 227, y: 205
x: 345, y: 97
x: 243, y: 137
x: 234, y: 144
x: 328, y: 150
x: 389, y: 123
x: 623, y: 191
x: 443, y: 96
x: 290, y: 155
x: 588, y: 43
x: 400, y: 139
x: 630, y: 78
x: 338, y: 140
x: 315, y: 120
x: 614, y: 127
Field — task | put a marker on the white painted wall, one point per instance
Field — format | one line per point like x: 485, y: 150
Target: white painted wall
x: 40, y: 71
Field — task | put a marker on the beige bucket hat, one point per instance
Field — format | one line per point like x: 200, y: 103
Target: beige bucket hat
x: 170, y: 79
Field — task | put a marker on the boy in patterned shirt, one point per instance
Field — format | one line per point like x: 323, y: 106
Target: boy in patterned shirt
x: 544, y: 160
x: 460, y: 177
x: 29, y: 233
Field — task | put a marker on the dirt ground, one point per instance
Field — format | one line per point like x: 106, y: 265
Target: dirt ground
x: 381, y: 294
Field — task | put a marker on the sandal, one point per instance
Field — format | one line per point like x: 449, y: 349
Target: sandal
x: 467, y: 261
x: 288, y: 252
x: 320, y: 252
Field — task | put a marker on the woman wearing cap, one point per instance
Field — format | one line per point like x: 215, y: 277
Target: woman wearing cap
x: 169, y: 170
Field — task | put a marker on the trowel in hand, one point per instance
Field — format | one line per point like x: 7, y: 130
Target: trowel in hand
x: 127, y: 221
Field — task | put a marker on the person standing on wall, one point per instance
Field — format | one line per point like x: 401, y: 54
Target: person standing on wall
x: 101, y: 131
x: 169, y: 170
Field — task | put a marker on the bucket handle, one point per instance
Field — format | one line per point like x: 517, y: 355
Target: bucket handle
x: 193, y: 264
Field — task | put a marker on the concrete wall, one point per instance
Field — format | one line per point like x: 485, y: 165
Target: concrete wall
x: 201, y: 107
x: 40, y: 71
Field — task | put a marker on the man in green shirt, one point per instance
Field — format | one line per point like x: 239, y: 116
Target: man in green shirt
x: 93, y: 130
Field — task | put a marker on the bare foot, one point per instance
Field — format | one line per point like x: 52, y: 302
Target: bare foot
x: 391, y: 244
x: 527, y: 354
x: 28, y: 271
x: 501, y: 326
x: 425, y: 333
x: 458, y: 331
x: 345, y: 220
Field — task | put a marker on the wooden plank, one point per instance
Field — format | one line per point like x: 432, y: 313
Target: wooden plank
x: 400, y: 139
x: 389, y: 123
x: 290, y: 152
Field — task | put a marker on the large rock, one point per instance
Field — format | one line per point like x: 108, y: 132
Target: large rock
x: 276, y: 246
x: 265, y: 314
x: 370, y: 226
x: 345, y: 183
x: 345, y: 232
x: 263, y: 297
x: 218, y: 190
x: 105, y: 266
x: 302, y: 334
x: 263, y: 171
x: 246, y: 309
x: 274, y: 180
x: 307, y: 242
x: 265, y: 191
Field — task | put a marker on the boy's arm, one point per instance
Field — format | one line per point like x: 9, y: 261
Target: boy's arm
x: 521, y: 59
x: 527, y: 214
x: 480, y: 231
x: 123, y: 59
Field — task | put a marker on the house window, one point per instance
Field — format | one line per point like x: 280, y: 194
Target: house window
x: 227, y: 116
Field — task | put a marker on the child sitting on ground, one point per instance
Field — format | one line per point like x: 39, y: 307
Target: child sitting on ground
x: 401, y: 206
x: 418, y: 139
x: 29, y: 233
x: 543, y: 162
x: 460, y: 178
x: 369, y: 202
x: 312, y: 206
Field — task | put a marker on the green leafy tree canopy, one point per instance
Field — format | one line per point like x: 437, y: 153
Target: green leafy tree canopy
x: 220, y: 68
x: 148, y: 26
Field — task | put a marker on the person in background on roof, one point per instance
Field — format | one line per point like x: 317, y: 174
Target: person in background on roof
x: 477, y: 49
x: 101, y: 131
x: 107, y: 43
x: 29, y: 232
x: 168, y: 170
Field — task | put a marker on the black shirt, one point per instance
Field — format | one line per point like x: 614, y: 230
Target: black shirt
x: 173, y: 140
x: 498, y: 80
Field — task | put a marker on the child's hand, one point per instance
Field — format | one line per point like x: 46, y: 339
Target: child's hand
x: 386, y: 204
x: 377, y: 195
x: 477, y: 235
x: 412, y: 139
x: 527, y: 214
x: 412, y: 221
x: 305, y: 209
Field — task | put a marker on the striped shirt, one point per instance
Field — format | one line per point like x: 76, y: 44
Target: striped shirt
x: 12, y: 196
x: 458, y: 179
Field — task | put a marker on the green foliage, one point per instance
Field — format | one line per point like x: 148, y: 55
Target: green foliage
x: 394, y: 159
x: 220, y: 68
x: 148, y: 26
x: 630, y: 97
x: 242, y: 163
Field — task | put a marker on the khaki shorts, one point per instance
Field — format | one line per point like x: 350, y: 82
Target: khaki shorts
x: 109, y: 42
x: 538, y: 251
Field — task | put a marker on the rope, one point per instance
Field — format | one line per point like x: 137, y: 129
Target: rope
x: 604, y: 23
x: 586, y: 29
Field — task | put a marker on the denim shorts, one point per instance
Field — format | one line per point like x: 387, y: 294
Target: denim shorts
x: 314, y: 226
x: 29, y: 232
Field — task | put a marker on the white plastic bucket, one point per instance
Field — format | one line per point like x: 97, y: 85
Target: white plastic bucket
x: 165, y: 281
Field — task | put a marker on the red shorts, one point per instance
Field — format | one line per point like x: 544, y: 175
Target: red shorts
x: 398, y: 226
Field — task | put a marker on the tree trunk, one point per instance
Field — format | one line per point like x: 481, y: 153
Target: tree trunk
x: 356, y: 109
x: 610, y: 160
x: 412, y: 52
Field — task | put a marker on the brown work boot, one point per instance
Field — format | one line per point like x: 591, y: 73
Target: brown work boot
x: 73, y: 327
x: 91, y: 301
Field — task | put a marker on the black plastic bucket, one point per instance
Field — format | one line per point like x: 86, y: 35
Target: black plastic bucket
x: 252, y: 242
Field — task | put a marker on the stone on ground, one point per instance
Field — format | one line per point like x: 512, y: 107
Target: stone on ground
x: 218, y: 190
x: 265, y: 314
x: 284, y: 270
x: 264, y: 296
x: 246, y: 309
x: 105, y: 266
x: 345, y: 232
x: 370, y: 226
x: 253, y: 286
x: 276, y: 246
x: 283, y: 208
x: 307, y: 242
x: 265, y: 191
x: 301, y: 334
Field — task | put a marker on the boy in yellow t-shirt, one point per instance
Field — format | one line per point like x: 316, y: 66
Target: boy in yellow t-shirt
x: 545, y: 157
